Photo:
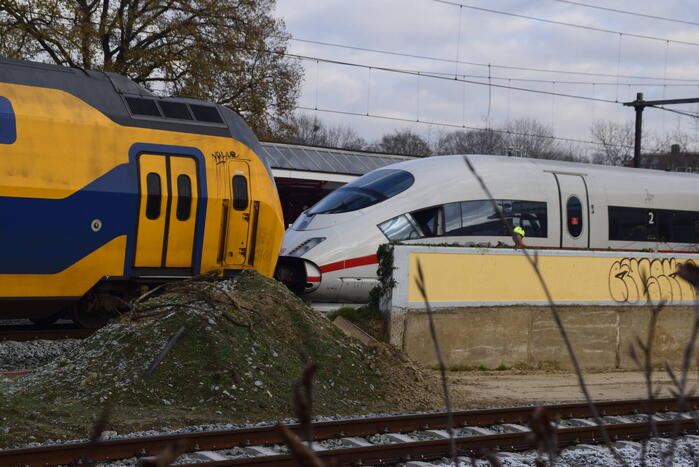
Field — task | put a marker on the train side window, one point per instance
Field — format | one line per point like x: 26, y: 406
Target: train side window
x: 532, y: 218
x: 184, y: 197
x: 240, y: 193
x: 154, y: 196
x: 683, y: 228
x: 627, y: 224
x: 575, y: 218
x: 479, y: 218
x: 399, y: 228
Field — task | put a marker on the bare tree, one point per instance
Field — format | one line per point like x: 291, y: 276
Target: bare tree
x: 345, y: 137
x: 616, y: 142
x: 485, y: 141
x: 226, y: 51
x: 404, y: 142
x: 310, y: 130
x: 528, y: 137
x: 662, y: 143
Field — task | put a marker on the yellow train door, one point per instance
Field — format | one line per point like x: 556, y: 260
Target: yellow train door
x: 167, y: 215
x: 183, y: 212
x: 237, y: 213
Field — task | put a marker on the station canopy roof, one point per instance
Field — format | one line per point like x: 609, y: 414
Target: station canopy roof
x: 316, y: 159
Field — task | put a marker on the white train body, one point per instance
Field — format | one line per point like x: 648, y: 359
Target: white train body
x: 329, y: 253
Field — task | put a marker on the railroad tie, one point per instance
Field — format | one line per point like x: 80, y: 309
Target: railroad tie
x: 581, y: 422
x: 355, y: 442
x: 399, y: 438
x: 438, y: 434
x: 260, y: 451
x: 514, y: 428
x: 209, y: 456
x: 476, y: 431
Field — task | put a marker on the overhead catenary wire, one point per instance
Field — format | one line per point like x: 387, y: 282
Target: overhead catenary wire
x: 564, y: 23
x: 448, y: 77
x: 626, y: 12
x: 557, y: 81
x: 510, y: 67
x: 462, y: 127
x: 486, y: 65
x: 679, y: 112
x: 438, y: 59
x: 445, y: 78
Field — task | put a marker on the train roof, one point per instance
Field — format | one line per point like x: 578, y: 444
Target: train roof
x: 487, y: 162
x: 128, y: 103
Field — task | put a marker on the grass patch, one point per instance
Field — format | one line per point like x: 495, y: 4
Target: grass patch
x: 362, y: 313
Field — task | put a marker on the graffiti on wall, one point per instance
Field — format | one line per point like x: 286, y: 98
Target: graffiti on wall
x: 627, y: 276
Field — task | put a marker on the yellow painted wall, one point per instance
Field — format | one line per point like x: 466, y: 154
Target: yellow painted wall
x: 510, y: 278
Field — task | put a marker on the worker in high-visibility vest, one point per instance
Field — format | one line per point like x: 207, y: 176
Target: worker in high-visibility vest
x: 518, y: 237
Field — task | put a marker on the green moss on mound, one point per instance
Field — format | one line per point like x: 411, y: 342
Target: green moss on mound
x: 244, y: 346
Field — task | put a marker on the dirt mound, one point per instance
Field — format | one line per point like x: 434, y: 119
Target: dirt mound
x: 244, y: 345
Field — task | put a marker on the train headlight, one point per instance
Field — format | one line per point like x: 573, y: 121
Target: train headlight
x: 303, y: 248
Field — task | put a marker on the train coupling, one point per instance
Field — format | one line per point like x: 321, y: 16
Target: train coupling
x: 299, y: 275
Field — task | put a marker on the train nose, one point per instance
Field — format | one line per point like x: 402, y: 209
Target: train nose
x: 299, y: 275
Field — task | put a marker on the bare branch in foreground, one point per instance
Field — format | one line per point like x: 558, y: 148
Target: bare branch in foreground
x: 533, y: 261
x: 301, y: 452
x: 303, y: 401
x: 420, y: 281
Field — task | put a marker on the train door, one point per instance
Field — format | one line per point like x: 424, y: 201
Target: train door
x: 168, y: 208
x: 236, y: 214
x: 574, y: 200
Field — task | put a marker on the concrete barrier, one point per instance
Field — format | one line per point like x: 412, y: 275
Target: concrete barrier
x: 491, y: 309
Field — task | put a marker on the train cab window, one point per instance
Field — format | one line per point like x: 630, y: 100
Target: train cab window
x: 175, y: 110
x: 575, y: 216
x: 366, y: 191
x: 184, y: 197
x: 240, y: 193
x: 154, y: 196
x: 430, y: 221
x: 452, y: 217
x: 399, y: 228
x: 141, y: 106
x: 206, y: 113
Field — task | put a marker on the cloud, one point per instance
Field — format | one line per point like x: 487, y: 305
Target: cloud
x: 433, y: 29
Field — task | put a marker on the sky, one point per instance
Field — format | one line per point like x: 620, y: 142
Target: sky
x: 432, y: 61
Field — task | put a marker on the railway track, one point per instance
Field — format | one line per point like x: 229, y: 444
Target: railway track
x: 472, y: 437
x: 30, y: 333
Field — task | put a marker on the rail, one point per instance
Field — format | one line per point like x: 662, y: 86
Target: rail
x: 224, y: 439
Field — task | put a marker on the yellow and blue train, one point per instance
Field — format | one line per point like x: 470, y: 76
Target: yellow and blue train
x: 106, y: 188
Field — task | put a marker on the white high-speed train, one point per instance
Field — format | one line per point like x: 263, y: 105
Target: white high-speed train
x: 329, y: 253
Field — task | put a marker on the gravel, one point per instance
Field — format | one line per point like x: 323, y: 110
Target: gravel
x: 684, y: 454
x: 31, y: 354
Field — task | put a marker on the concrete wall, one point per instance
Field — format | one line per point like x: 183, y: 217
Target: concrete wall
x: 528, y: 335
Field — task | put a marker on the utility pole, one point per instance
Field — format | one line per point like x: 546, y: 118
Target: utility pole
x: 639, y: 104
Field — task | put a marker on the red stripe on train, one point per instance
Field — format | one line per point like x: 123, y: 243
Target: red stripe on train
x: 350, y: 263
x: 372, y: 259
